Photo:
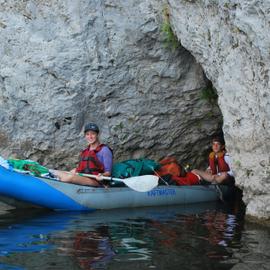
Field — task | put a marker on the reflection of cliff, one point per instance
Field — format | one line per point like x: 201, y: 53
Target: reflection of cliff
x: 253, y: 253
x: 197, y: 236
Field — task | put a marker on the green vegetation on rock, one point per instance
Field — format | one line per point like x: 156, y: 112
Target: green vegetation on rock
x: 170, y: 39
x: 209, y: 94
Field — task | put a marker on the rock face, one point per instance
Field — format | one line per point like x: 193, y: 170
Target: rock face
x: 231, y: 40
x: 65, y: 63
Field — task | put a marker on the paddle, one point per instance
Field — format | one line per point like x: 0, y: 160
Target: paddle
x: 141, y: 183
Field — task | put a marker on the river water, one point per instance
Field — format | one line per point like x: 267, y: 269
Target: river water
x: 199, y: 236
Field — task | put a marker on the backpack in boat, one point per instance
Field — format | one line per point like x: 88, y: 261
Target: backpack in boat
x: 133, y: 167
x: 189, y: 179
x: 31, y: 166
x: 170, y: 166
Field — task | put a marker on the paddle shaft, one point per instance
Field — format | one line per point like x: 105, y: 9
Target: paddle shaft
x: 160, y: 177
x: 103, y: 177
x: 141, y: 183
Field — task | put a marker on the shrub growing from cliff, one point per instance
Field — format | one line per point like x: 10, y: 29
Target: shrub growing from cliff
x: 170, y: 39
x: 209, y: 94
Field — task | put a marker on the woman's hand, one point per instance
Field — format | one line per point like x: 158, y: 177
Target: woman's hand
x: 99, y: 177
x: 73, y: 171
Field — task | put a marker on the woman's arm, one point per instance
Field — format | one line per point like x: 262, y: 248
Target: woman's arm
x: 107, y: 157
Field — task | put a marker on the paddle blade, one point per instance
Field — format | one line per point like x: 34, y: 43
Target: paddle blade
x: 142, y: 183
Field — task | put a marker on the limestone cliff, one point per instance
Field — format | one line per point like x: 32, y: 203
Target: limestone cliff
x: 64, y: 63
x: 231, y: 40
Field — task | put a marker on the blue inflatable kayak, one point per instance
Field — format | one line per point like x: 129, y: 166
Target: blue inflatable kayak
x: 23, y: 190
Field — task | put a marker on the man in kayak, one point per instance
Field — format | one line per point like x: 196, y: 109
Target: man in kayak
x: 96, y: 159
x: 220, y: 165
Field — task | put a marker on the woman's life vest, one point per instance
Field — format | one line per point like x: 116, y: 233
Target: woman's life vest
x: 89, y: 162
x: 217, y: 162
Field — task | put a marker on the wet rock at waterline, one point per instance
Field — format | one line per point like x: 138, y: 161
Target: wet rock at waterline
x: 64, y: 63
x: 231, y: 40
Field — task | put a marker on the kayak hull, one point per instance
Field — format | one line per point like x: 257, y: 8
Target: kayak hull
x: 47, y: 193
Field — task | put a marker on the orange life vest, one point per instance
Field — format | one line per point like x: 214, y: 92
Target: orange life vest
x: 170, y: 166
x: 189, y: 179
x: 217, y: 162
x: 89, y: 163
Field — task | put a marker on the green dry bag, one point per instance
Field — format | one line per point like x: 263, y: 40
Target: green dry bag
x: 134, y: 167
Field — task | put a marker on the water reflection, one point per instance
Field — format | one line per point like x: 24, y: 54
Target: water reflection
x: 204, y: 236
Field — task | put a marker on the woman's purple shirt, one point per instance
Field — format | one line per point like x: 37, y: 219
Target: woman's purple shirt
x: 105, y: 156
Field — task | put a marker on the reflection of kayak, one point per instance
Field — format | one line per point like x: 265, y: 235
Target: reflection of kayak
x: 33, y: 231
x: 22, y: 189
x: 30, y: 234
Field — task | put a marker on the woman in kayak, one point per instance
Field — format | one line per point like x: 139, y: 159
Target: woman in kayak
x: 96, y: 159
x: 220, y: 167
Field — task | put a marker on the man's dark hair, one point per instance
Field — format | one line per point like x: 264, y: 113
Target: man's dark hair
x: 219, y: 139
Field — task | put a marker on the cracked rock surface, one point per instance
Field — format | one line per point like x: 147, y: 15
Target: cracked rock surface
x: 230, y: 39
x: 65, y: 63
